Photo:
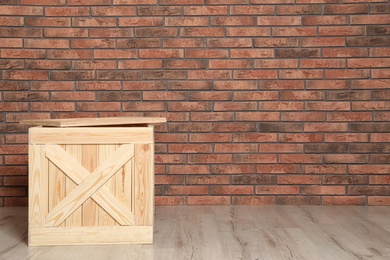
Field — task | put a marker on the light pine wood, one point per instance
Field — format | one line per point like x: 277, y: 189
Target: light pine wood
x: 124, y: 189
x: 92, y: 235
x: 57, y: 183
x: 144, y: 184
x: 38, y: 188
x: 90, y: 210
x: 90, y: 135
x: 78, y: 173
x: 103, y: 121
x: 228, y: 233
x: 75, y: 151
x: 89, y: 185
x: 101, y: 180
x: 105, y: 152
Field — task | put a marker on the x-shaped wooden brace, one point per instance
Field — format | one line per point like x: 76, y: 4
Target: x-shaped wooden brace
x: 89, y: 185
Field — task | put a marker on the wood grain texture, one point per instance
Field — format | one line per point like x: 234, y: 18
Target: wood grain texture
x: 38, y: 191
x: 144, y: 183
x: 124, y: 189
x: 229, y: 233
x: 75, y: 151
x: 89, y: 186
x: 90, y: 210
x: 92, y: 235
x: 57, y: 186
x: 91, y: 135
x: 78, y: 173
x: 105, y: 151
x: 103, y: 121
x: 101, y: 180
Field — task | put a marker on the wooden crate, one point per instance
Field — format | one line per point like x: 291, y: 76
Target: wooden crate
x: 90, y: 184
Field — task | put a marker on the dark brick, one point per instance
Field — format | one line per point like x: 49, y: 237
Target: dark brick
x: 11, y: 64
x: 254, y: 179
x: 72, y: 75
x: 381, y: 95
x: 368, y: 190
x: 119, y: 96
x: 348, y: 95
x: 8, y: 2
x: 326, y: 148
x: 337, y: 180
x: 28, y: 97
x: 368, y: 41
x: 159, y: 190
x: 14, y: 86
x: 159, y: 11
x: 299, y: 200
x: 346, y: 9
x: 281, y: 127
x: 380, y: 158
x: 186, y: 85
x: 156, y: 32
x: 297, y: 53
x: 139, y: 43
x: 20, y: 32
x: 165, y: 74
x: 370, y: 128
x: 370, y: 148
x: 119, y: 75
x: 378, y: 30
x: 380, y: 9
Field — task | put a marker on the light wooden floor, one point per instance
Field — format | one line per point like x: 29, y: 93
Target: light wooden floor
x: 222, y: 232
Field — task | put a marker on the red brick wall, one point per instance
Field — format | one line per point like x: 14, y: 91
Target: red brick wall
x: 268, y: 102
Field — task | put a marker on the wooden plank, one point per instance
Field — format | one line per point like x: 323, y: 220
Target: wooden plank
x: 38, y: 186
x: 124, y: 191
x: 90, y: 185
x: 56, y: 186
x: 78, y: 173
x: 105, y: 152
x: 94, y: 135
x: 90, y: 211
x: 92, y: 235
x: 144, y: 181
x: 103, y: 121
x: 76, y: 218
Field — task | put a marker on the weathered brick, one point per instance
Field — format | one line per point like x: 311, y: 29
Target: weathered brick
x: 21, y: 10
x: 21, y: 32
x: 205, y: 10
x: 118, y: 75
x: 138, y: 43
x: 66, y: 33
x: 298, y: 9
x: 114, y: 11
x: 67, y: 11
x: 48, y: 65
x: 47, y: 22
x: 346, y: 9
x: 368, y: 41
x: 344, y: 52
x: 298, y: 200
x: 344, y: 200
x: 159, y: 10
x: 379, y: 8
x: 297, y: 53
x: 276, y: 42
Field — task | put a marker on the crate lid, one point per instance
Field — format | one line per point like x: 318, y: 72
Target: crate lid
x: 101, y: 121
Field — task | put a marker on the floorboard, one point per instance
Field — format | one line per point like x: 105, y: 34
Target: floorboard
x: 224, y: 232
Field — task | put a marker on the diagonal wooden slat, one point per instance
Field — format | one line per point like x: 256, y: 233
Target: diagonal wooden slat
x: 77, y: 173
x: 89, y: 183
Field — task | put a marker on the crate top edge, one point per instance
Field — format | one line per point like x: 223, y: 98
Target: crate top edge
x: 101, y: 121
